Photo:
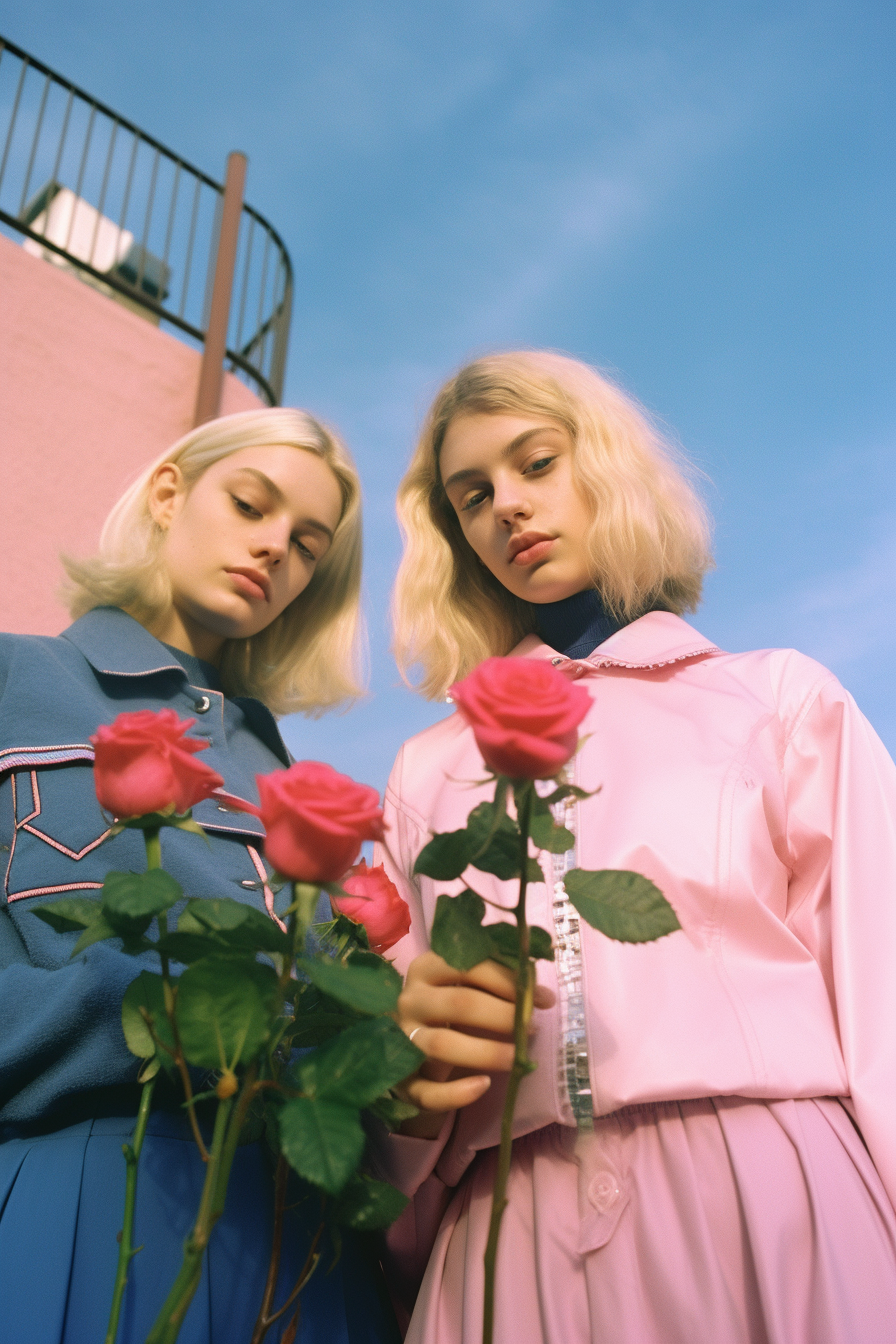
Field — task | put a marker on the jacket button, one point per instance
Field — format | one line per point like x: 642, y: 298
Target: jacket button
x: 202, y: 705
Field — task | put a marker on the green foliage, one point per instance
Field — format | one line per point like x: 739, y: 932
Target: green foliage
x: 392, y: 1111
x: 625, y: 906
x: 147, y: 992
x: 234, y: 925
x: 505, y: 944
x: 368, y: 1205
x: 461, y: 938
x: 321, y: 1140
x: 490, y: 841
x: 457, y: 932
x: 135, y: 897
x: 226, y: 1009
x: 74, y: 913
x: 359, y: 1065
x: 369, y: 987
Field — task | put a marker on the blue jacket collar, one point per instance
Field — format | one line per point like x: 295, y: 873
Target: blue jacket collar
x: 116, y: 645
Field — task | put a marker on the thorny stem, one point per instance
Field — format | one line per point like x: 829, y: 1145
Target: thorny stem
x: 126, y: 1249
x: 153, y: 843
x: 522, y: 1015
x: 266, y: 1317
x: 169, y: 1320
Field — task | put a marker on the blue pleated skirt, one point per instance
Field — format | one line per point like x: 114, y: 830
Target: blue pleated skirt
x: 61, y: 1208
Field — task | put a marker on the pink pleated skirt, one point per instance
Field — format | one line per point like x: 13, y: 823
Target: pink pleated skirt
x: 719, y: 1221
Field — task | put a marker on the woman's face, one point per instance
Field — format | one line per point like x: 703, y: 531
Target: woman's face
x: 511, y: 482
x: 241, y: 543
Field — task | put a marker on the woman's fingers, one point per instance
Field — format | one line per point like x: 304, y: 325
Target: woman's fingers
x: 438, y: 1098
x: 482, y: 998
x: 479, y: 1054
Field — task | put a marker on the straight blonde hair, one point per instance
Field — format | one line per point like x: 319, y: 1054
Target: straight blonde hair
x: 649, y: 540
x: 309, y: 658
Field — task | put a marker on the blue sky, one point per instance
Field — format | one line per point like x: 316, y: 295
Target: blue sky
x: 696, y: 197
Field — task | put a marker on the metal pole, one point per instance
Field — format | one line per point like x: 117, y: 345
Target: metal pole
x: 211, y: 373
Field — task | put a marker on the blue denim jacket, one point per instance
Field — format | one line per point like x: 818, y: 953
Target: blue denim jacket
x: 60, y: 1019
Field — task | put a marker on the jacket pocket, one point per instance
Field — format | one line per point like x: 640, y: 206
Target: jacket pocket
x: 57, y: 833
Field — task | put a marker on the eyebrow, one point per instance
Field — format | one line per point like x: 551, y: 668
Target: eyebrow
x: 507, y: 451
x: 279, y: 498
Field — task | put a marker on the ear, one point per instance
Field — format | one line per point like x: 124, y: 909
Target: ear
x: 167, y: 490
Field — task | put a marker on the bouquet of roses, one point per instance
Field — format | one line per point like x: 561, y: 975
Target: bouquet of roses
x: 252, y: 987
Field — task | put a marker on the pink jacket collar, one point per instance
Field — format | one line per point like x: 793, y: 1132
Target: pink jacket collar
x: 653, y: 640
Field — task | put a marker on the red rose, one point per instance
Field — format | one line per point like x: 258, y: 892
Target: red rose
x: 144, y: 763
x: 375, y: 903
x: 315, y: 820
x: 524, y: 714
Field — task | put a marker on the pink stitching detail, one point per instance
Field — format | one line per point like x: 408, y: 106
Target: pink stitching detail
x: 268, y: 894
x: 50, y: 891
x: 63, y: 849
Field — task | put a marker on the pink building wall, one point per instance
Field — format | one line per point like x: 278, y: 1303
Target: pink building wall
x: 89, y: 393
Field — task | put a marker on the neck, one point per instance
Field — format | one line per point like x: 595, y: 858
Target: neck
x: 576, y: 625
x: 178, y: 630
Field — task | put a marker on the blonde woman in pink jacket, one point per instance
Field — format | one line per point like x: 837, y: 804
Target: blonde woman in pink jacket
x: 706, y: 1153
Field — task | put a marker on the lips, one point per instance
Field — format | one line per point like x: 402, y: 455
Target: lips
x: 252, y: 583
x: 528, y: 547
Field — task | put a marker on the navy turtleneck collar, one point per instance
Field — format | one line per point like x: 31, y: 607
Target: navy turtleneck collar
x: 576, y: 625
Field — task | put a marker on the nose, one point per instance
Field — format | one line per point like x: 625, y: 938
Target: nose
x: 270, y: 543
x: 509, y: 503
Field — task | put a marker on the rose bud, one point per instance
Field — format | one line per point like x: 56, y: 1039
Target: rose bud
x: 315, y: 820
x: 374, y: 901
x: 145, y: 763
x: 524, y: 715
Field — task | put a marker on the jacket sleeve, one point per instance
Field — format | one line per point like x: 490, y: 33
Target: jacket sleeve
x: 841, y: 795
x: 61, y: 1027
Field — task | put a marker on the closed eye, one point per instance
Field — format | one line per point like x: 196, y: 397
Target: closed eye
x: 304, y: 550
x: 474, y: 501
x: 246, y: 509
x: 540, y: 464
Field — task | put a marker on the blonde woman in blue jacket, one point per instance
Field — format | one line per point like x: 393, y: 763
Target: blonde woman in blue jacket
x: 226, y: 588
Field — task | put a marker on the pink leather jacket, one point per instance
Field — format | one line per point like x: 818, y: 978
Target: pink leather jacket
x: 757, y: 797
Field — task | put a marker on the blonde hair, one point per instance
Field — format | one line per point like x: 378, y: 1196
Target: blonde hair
x: 649, y: 536
x: 308, y: 658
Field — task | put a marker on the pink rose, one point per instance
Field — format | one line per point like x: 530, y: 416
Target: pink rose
x: 524, y: 714
x: 315, y: 820
x: 374, y: 902
x: 145, y: 763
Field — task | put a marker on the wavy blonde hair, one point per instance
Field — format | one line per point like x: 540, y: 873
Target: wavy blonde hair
x: 309, y: 658
x: 649, y: 540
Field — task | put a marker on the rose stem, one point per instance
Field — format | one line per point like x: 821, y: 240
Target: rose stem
x: 126, y: 1251
x: 522, y: 1014
x: 169, y: 991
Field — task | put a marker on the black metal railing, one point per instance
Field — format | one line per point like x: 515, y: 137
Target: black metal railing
x: 87, y: 189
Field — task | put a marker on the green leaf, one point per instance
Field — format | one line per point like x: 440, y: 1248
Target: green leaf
x: 71, y: 914
x: 221, y: 914
x: 360, y: 1064
x: 137, y: 897
x: 506, y: 945
x: 392, y: 1111
x: 342, y: 932
x: 457, y: 932
x: 317, y: 1028
x: 368, y: 1205
x: 545, y: 835
x: 188, y: 947
x: 226, y: 1007
x: 147, y: 992
x: 500, y: 854
x: 446, y: 856
x: 370, y: 989
x: 98, y: 932
x: 623, y: 905
x: 321, y: 1140
x: 239, y: 926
